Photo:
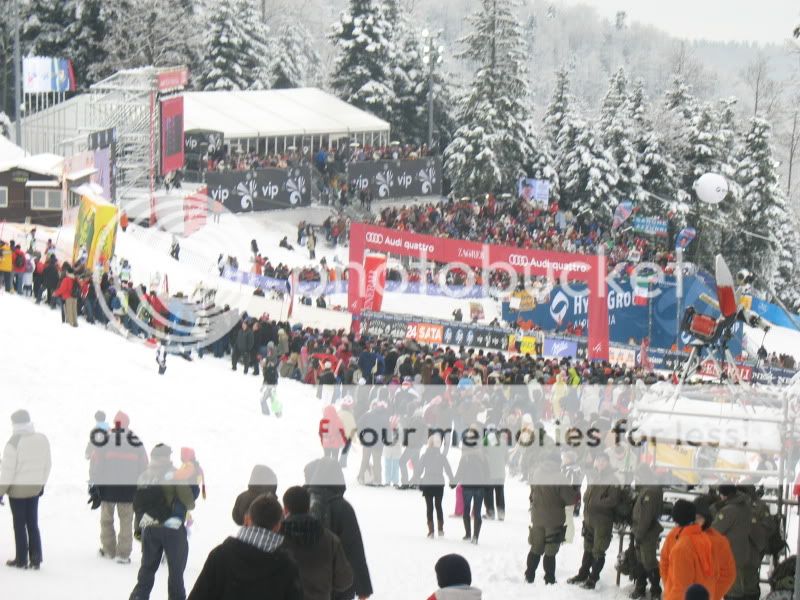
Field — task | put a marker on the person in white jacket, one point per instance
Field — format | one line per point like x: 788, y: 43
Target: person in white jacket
x: 23, y: 475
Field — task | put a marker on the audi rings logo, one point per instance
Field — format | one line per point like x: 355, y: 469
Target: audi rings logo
x: 518, y: 260
x: 373, y: 237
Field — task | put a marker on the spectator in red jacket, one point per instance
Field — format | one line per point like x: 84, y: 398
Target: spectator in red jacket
x: 331, y: 432
x: 17, y: 266
x: 66, y: 297
x: 455, y: 579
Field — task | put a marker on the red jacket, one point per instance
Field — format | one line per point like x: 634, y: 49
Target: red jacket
x: 64, y: 290
x: 331, y: 429
x: 15, y: 258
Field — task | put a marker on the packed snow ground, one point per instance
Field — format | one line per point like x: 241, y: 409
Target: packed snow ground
x: 63, y: 375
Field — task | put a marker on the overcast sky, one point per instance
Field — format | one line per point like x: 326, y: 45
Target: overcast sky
x: 739, y: 20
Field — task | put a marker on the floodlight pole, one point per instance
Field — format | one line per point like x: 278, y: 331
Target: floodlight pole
x: 17, y: 77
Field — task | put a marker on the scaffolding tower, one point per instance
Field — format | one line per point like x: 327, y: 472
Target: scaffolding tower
x: 129, y: 102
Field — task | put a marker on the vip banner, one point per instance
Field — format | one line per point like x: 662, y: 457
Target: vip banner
x: 260, y: 190
x: 375, y: 275
x: 397, y: 178
x: 172, y: 157
x: 203, y: 141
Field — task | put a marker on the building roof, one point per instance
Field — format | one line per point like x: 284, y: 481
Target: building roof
x: 42, y: 164
x: 9, y: 150
x: 273, y: 113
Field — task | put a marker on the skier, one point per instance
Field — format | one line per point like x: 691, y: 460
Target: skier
x: 175, y: 248
x: 269, y: 389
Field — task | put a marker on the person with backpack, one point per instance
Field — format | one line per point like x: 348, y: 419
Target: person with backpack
x: 686, y: 557
x: 252, y: 564
x: 24, y: 471
x: 724, y: 563
x: 116, y: 463
x: 600, y: 503
x: 160, y: 506
x: 734, y: 520
x: 263, y: 481
x: 646, y: 530
x: 765, y: 538
x: 319, y: 555
x: 551, y: 494
x: 326, y: 485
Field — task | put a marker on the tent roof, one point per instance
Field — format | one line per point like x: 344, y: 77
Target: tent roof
x: 270, y: 113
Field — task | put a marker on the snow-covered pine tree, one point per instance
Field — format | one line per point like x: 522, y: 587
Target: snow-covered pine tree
x: 496, y: 103
x: 296, y: 60
x: 361, y: 73
x: 656, y: 166
x: 558, y: 111
x: 87, y: 34
x: 616, y: 127
x: 765, y: 209
x: 259, y: 48
x: 409, y: 77
x: 5, y: 125
x: 150, y: 32
x: 678, y: 98
x: 587, y: 171
x: 46, y: 25
x: 235, y: 53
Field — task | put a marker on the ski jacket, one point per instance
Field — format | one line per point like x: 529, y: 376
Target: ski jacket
x: 690, y: 561
x: 26, y: 464
x: 724, y: 564
x: 457, y: 593
x: 734, y: 520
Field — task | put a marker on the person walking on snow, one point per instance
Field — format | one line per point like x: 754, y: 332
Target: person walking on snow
x: 23, y: 474
x: 433, y: 466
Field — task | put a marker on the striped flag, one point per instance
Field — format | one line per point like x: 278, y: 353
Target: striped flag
x: 641, y: 291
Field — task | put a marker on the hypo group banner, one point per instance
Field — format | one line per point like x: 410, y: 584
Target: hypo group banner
x: 262, y: 189
x: 171, y: 134
x: 43, y: 74
x: 397, y: 178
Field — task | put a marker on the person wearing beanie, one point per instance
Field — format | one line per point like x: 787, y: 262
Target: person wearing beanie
x: 734, y: 521
x: 686, y: 556
x: 600, y: 501
x: 117, y: 461
x: 454, y: 579
x: 160, y: 507
x: 646, y: 530
x: 696, y: 592
x: 724, y: 563
x: 24, y: 471
x: 100, y: 425
x: 263, y: 481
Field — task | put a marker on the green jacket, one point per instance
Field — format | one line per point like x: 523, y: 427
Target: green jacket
x: 548, y: 500
x: 647, y: 510
x: 602, y: 497
x: 734, y: 520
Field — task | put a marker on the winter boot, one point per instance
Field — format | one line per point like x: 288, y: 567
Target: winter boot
x: 441, y: 530
x: 594, y: 575
x: 639, y: 589
x: 532, y: 564
x: 476, y: 534
x: 655, y: 584
x: 467, y: 527
x: 583, y: 572
x: 549, y: 563
x: 430, y: 529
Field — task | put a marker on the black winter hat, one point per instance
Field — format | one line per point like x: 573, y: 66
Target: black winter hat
x: 696, y: 592
x: 161, y: 451
x: 683, y: 513
x: 20, y: 417
x: 453, y: 569
x: 727, y: 490
x: 702, y: 505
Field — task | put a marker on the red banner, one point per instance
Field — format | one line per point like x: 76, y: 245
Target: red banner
x: 171, y: 134
x: 170, y: 80
x: 575, y: 267
x: 195, y: 210
x: 375, y: 275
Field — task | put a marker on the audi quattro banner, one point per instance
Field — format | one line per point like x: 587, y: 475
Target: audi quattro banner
x: 397, y: 178
x: 260, y: 190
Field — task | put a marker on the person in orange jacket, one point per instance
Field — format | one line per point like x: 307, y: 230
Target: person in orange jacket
x: 724, y: 563
x: 688, y: 558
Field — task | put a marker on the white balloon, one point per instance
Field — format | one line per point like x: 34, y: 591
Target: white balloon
x: 711, y: 188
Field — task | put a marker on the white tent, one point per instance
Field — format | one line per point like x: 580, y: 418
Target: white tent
x: 301, y: 116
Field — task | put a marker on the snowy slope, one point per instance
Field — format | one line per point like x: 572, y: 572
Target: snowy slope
x: 63, y: 375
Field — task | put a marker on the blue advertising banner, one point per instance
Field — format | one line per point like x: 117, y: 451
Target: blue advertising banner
x: 558, y: 348
x: 650, y: 226
x: 628, y: 323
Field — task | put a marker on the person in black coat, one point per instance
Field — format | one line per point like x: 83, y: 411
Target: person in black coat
x: 242, y: 347
x: 251, y: 566
x: 50, y: 278
x: 325, y: 483
x: 263, y: 482
x: 432, y: 468
x: 472, y: 474
x: 318, y: 553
